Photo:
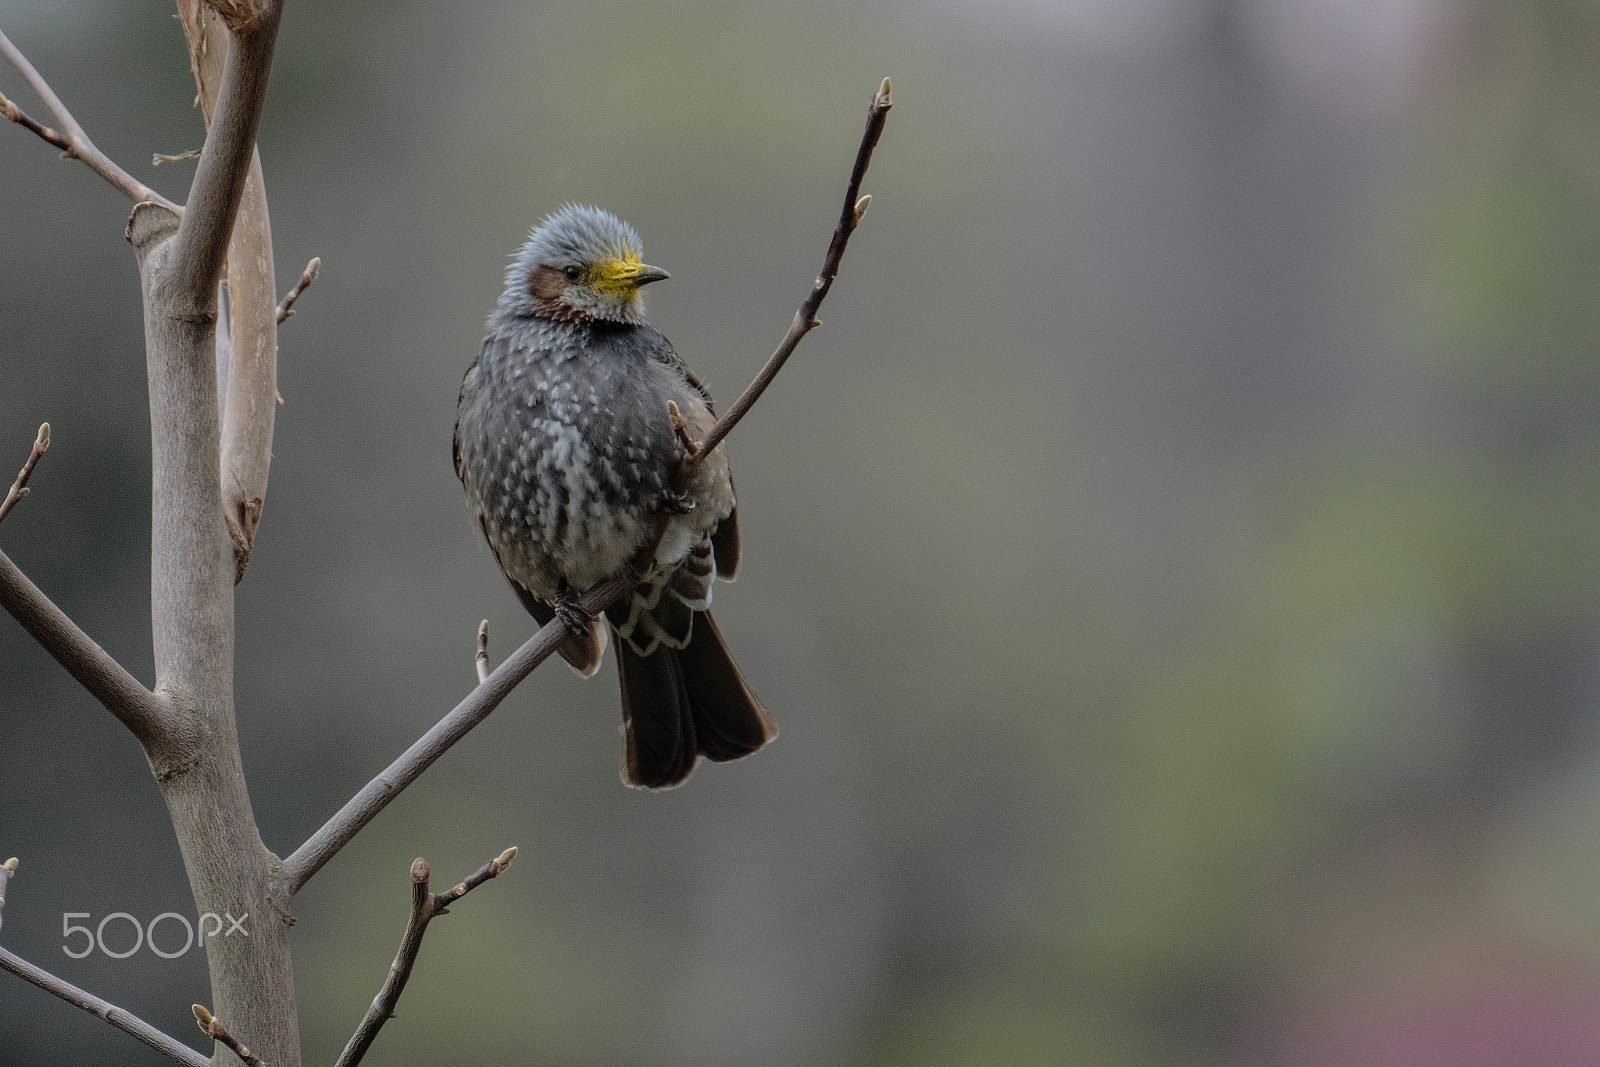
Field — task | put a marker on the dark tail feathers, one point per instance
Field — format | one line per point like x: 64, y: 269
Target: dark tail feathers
x: 678, y: 705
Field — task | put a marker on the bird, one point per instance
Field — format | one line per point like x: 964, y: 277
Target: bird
x: 566, y: 446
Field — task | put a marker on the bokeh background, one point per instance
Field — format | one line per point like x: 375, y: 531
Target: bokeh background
x: 1172, y: 565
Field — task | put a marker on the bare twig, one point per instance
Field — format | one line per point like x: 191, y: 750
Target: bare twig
x: 489, y: 870
x: 23, y: 119
x: 425, y: 907
x: 681, y: 428
x: 19, y: 488
x: 212, y: 1027
x: 481, y: 658
x: 373, y: 797
x: 309, y: 275
x: 71, y: 139
x: 122, y: 1020
x: 805, y: 320
x: 8, y: 870
x: 159, y: 158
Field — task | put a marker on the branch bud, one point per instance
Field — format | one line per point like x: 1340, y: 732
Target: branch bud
x: 861, y: 207
x: 503, y: 860
x: 11, y: 864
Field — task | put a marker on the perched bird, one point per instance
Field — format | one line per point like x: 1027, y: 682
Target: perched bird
x: 570, y: 460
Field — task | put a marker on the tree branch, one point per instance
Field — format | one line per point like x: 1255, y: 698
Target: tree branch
x: 8, y: 870
x: 19, y: 488
x: 425, y: 907
x: 219, y: 180
x: 106, y: 680
x: 122, y: 1020
x: 74, y: 143
x: 212, y: 1027
x: 70, y: 993
x: 251, y: 389
x: 307, y: 276
x: 362, y: 808
x: 805, y: 320
x: 192, y: 562
x: 480, y: 659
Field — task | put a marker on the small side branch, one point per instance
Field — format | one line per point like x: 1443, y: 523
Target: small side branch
x: 307, y: 276
x: 122, y: 1020
x: 106, y: 680
x: 481, y: 658
x: 8, y: 870
x: 362, y: 808
x: 425, y: 907
x: 71, y: 139
x: 212, y: 1027
x: 28, y: 122
x: 681, y: 428
x: 19, y: 488
x: 805, y: 320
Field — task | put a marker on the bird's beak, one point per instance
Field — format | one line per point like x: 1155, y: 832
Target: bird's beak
x: 647, y: 274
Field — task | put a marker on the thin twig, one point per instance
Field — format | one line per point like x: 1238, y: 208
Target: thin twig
x: 481, y: 658
x: 19, y: 488
x: 71, y: 139
x: 212, y: 1027
x: 681, y: 428
x: 22, y: 118
x: 309, y: 275
x: 159, y: 158
x: 122, y: 1020
x: 8, y: 870
x: 489, y: 870
x: 805, y: 320
x: 373, y: 797
x: 425, y: 907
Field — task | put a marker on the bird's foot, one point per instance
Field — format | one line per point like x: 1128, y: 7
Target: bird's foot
x: 572, y: 613
x: 674, y: 502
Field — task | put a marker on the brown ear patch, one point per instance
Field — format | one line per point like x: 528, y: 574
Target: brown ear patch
x: 547, y: 285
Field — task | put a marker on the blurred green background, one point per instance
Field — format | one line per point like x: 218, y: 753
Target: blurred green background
x: 1172, y: 564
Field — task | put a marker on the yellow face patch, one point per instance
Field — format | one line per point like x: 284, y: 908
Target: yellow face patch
x: 616, y: 275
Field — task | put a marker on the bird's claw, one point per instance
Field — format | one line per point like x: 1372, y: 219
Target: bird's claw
x: 676, y: 503
x: 572, y: 613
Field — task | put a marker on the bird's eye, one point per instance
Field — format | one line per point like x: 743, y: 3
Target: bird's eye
x: 572, y: 273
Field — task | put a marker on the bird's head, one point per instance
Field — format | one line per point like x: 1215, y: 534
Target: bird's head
x: 579, y: 265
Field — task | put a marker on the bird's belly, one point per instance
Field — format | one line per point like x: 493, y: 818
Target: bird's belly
x: 557, y: 515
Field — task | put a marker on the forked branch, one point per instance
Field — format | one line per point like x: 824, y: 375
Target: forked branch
x: 361, y: 809
x: 425, y: 907
x: 71, y: 139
